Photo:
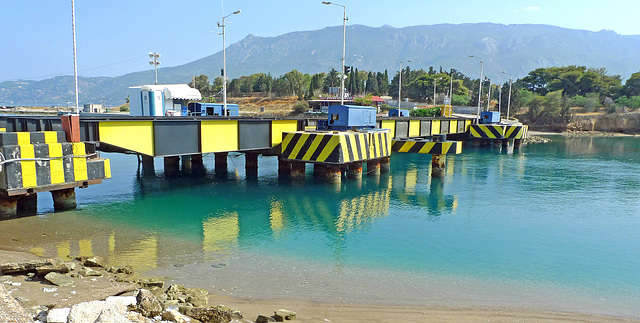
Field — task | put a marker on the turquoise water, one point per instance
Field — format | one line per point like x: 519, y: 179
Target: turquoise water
x: 559, y: 216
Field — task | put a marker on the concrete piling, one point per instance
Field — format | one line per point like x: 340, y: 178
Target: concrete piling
x: 186, y: 165
x: 355, y: 170
x: 221, y: 163
x: 148, y: 166
x: 172, y: 166
x: 438, y: 165
x: 27, y: 205
x: 298, y: 170
x: 251, y: 165
x: 197, y: 164
x: 64, y: 199
x: 385, y: 164
x: 333, y: 174
x: 373, y: 167
x: 8, y: 207
x: 284, y: 168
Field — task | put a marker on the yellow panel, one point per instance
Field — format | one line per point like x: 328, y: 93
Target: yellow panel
x: 467, y: 124
x: 414, y: 128
x: 391, y: 125
x: 107, y: 168
x: 79, y: 163
x: 56, y: 165
x: 24, y: 138
x: 133, y: 135
x: 453, y: 126
x: 435, y: 127
x: 50, y: 137
x: 219, y: 135
x: 29, y: 178
x: 280, y: 126
x: 3, y: 129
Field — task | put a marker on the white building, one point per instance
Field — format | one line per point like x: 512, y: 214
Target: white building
x: 161, y: 100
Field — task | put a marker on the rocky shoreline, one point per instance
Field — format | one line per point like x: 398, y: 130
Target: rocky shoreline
x: 130, y: 299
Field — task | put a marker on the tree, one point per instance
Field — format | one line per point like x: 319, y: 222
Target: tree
x: 332, y: 80
x: 632, y: 85
x: 201, y: 83
x: 297, y: 82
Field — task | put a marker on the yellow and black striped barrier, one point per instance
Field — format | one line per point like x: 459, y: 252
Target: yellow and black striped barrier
x: 487, y: 131
x: 427, y: 147
x: 516, y: 132
x: 44, y: 159
x: 336, y: 147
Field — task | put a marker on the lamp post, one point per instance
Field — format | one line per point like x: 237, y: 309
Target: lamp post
x: 344, y: 41
x: 434, y: 89
x: 509, y: 100
x: 155, y: 62
x: 489, y: 93
x: 224, y: 62
x: 479, y: 85
x: 75, y: 61
x: 400, y: 82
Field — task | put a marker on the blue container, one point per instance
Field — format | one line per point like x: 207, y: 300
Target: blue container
x: 398, y: 113
x: 487, y: 117
x: 343, y: 117
x: 213, y: 109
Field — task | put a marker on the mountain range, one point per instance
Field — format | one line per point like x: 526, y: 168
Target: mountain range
x: 514, y: 49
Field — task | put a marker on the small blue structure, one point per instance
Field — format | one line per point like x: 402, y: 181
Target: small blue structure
x: 344, y: 117
x: 398, y: 113
x: 213, y: 109
x: 487, y: 117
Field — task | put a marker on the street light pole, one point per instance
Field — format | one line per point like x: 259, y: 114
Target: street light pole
x: 224, y: 63
x: 400, y: 82
x: 509, y: 101
x: 344, y: 42
x: 75, y: 61
x: 479, y: 85
x: 489, y: 95
x: 155, y: 62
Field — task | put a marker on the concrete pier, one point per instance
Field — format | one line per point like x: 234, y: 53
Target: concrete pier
x: 251, y: 165
x: 298, y: 170
x: 355, y: 170
x: 221, y: 164
x: 438, y: 165
x: 148, y: 167
x: 64, y: 199
x: 319, y: 170
x: 172, y: 166
x: 186, y: 166
x: 197, y: 164
x: 333, y: 174
x: 284, y: 168
x: 8, y: 207
x: 373, y: 167
x: 385, y: 164
x: 517, y: 143
x: 27, y: 205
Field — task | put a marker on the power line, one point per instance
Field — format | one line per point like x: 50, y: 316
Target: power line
x: 83, y: 70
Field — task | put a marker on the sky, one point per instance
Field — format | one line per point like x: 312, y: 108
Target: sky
x: 114, y: 37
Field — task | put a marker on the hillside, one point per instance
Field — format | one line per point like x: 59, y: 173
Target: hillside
x: 515, y: 49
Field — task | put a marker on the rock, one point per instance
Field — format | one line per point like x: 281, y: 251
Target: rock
x: 235, y: 314
x: 61, y: 268
x: 120, y: 270
x: 265, y: 319
x: 93, y: 262
x: 197, y: 297
x: 6, y: 279
x: 207, y: 314
x: 109, y: 315
x: 88, y: 312
x: 170, y: 303
x: 281, y: 315
x: 59, y: 279
x: 37, y: 312
x: 151, y: 282
x: 24, y: 267
x: 123, y: 300
x: 136, y: 317
x: 147, y: 304
x: 10, y: 310
x: 174, y: 316
x: 58, y: 315
x: 86, y: 272
x: 121, y: 277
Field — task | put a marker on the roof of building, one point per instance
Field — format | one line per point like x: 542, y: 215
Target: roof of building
x: 174, y: 91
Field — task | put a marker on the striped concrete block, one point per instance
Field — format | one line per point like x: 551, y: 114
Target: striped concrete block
x: 338, y: 147
x: 427, y: 147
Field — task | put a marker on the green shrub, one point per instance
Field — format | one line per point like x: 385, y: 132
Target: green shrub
x: 124, y: 108
x: 301, y: 107
x: 427, y: 112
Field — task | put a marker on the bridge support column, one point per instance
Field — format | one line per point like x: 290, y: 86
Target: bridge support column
x: 385, y: 164
x: 28, y: 205
x: 355, y: 170
x: 148, y: 168
x: 333, y: 174
x: 172, y: 166
x: 505, y: 142
x: 298, y: 170
x: 517, y: 143
x: 64, y: 199
x: 373, y: 167
x: 186, y: 166
x: 438, y: 165
x: 197, y: 164
x: 8, y: 207
x: 251, y: 165
x: 221, y: 163
x: 284, y: 168
x: 497, y: 143
x: 319, y: 170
